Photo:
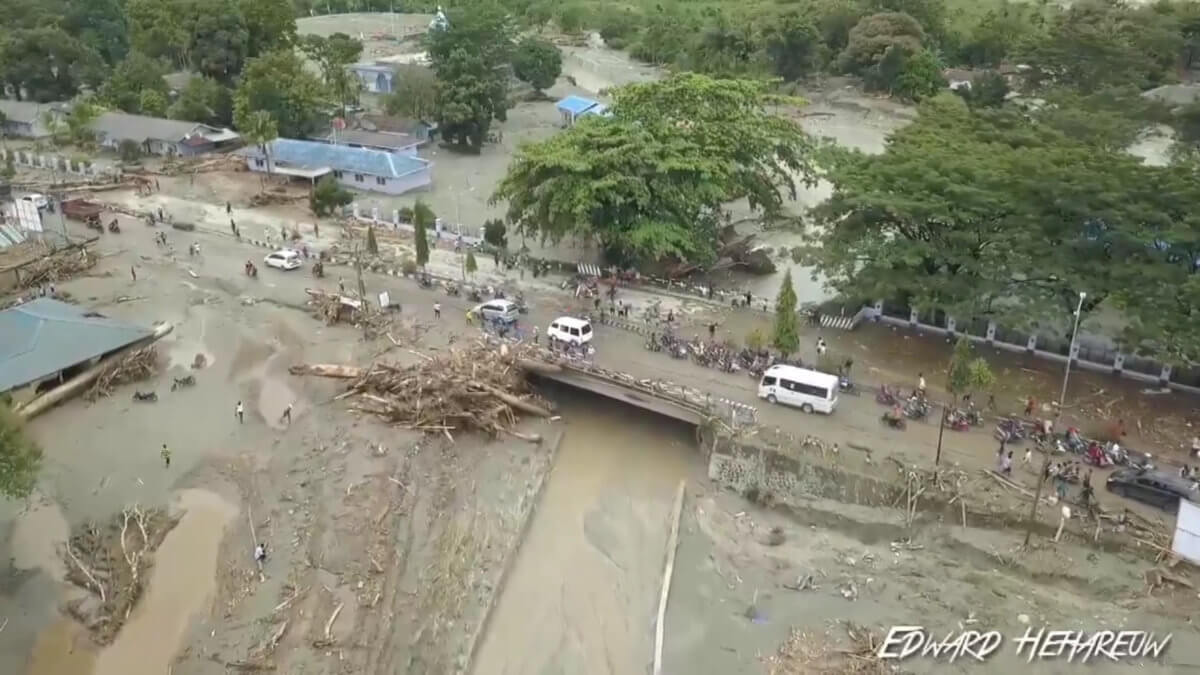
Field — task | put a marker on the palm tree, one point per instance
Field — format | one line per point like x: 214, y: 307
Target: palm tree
x: 261, y: 130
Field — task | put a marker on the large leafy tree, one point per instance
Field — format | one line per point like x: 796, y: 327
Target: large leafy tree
x: 99, y: 24
x: 983, y: 214
x: 793, y: 45
x: 138, y: 73
x: 203, y: 99
x: 1097, y: 43
x: 271, y: 25
x: 279, y: 84
x: 159, y: 28
x: 874, y: 36
x: 537, y: 62
x: 414, y: 93
x: 650, y: 182
x: 784, y: 334
x: 219, y: 39
x: 470, y: 59
x: 332, y: 54
x: 47, y: 64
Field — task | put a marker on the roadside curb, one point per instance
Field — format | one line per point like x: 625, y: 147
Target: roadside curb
x: 511, y: 560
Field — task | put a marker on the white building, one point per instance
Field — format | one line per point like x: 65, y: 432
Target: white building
x: 356, y: 168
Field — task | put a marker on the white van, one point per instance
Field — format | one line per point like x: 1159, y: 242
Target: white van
x: 499, y: 310
x: 808, y: 390
x: 570, y: 330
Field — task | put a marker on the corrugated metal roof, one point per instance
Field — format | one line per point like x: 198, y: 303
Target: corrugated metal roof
x: 374, y: 139
x: 27, y: 112
x: 576, y: 104
x: 317, y: 155
x: 10, y: 236
x: 140, y: 128
x: 44, y: 336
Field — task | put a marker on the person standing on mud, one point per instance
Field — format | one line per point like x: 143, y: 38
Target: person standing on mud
x: 1030, y: 404
x: 921, y: 385
x: 166, y: 456
x: 712, y: 331
x: 437, y: 310
x: 133, y: 272
x: 240, y: 412
x: 287, y: 414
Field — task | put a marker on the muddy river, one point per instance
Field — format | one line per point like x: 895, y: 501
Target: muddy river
x: 583, y: 593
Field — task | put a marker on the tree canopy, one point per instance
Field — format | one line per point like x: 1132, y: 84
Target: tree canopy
x: 650, y: 182
x: 279, y: 84
x: 20, y: 456
x: 993, y: 214
x: 538, y: 62
x: 471, y: 60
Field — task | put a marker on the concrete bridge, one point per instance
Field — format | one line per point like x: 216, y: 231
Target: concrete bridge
x: 664, y: 398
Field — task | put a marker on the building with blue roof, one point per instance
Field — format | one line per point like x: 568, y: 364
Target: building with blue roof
x: 46, y: 339
x: 354, y: 167
x: 573, y: 107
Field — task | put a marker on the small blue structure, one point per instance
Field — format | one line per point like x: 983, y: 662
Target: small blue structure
x: 573, y: 107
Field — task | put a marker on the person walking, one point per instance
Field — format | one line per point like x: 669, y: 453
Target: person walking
x: 535, y: 335
x: 921, y: 385
x: 228, y: 209
x: 133, y: 272
x: 260, y: 554
x: 287, y: 414
x: 712, y: 331
x: 437, y: 310
x: 240, y: 412
x: 822, y: 347
x: 1028, y: 458
x: 341, y: 285
x: 166, y: 456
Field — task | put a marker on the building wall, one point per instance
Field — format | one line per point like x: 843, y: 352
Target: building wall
x: 391, y: 186
x: 26, y: 129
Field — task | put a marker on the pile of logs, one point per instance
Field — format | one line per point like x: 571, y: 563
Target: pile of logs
x: 473, y: 389
x: 139, y: 364
x: 55, y: 267
x: 111, y: 561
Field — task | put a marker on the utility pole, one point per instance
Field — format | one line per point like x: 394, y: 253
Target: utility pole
x: 1037, y: 494
x: 937, y: 459
x: 362, y: 288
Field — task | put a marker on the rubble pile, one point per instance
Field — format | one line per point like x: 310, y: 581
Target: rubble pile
x: 471, y: 389
x: 111, y: 561
x: 808, y: 654
x: 56, y: 267
x: 137, y: 365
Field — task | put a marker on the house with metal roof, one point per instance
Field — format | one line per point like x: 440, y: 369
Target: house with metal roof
x: 158, y: 136
x: 373, y: 140
x: 376, y: 78
x: 356, y: 168
x: 46, y: 340
x: 574, y: 107
x: 27, y: 119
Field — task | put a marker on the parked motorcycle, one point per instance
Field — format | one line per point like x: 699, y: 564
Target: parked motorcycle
x: 474, y: 295
x: 1010, y: 431
x: 424, y: 281
x: 958, y: 420
x: 916, y: 408
x: 114, y: 227
x: 251, y: 270
x: 318, y: 269
x: 145, y: 396
x: 453, y: 290
x: 181, y: 382
x: 886, y: 395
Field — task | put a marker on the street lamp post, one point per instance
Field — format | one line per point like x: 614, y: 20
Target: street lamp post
x: 1037, y: 494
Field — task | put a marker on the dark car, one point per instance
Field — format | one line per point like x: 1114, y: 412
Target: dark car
x: 1156, y: 488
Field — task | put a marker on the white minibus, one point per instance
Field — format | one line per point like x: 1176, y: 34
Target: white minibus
x: 805, y: 389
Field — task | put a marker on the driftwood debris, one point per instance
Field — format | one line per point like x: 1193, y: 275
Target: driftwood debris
x: 139, y: 364
x: 110, y: 560
x: 473, y: 389
x: 55, y: 267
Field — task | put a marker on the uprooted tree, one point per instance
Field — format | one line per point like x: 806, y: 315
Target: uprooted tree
x: 20, y: 455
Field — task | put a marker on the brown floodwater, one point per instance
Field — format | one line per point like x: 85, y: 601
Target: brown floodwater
x: 583, y: 593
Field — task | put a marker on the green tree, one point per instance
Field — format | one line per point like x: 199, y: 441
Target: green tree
x: 1097, y: 43
x: 980, y: 214
x: 793, y: 45
x: 988, y: 90
x: 205, y: 100
x: 152, y: 103
x: 784, y: 335
x: 328, y: 196
x: 537, y: 62
x: 874, y: 35
x: 469, y: 61
x: 47, y: 64
x: 332, y: 54
x: 219, y: 39
x: 495, y: 233
x: 921, y: 77
x: 1002, y: 32
x: 372, y: 245
x: 159, y: 28
x: 414, y: 93
x: 604, y: 179
x: 20, y: 456
x: 279, y: 84
x: 470, y: 265
x: 100, y: 25
x: 270, y: 25
x: 423, y: 218
x: 665, y: 35
x: 968, y: 373
x: 726, y: 48
x: 260, y: 128
x: 132, y: 77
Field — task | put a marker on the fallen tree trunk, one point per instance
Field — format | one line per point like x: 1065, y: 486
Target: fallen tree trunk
x: 516, y: 402
x: 539, y: 367
x: 326, y: 370
x: 81, y: 381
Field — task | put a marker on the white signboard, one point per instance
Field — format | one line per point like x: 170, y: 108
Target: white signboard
x: 1187, y: 532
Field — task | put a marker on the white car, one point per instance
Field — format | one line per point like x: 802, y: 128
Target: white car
x: 283, y: 259
x: 570, y: 330
x: 499, y: 310
x: 38, y: 200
